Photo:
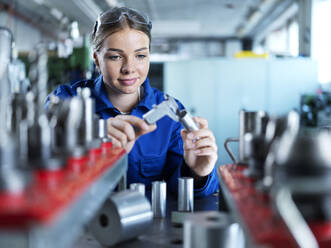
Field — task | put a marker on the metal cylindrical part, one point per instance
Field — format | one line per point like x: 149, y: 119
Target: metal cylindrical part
x: 122, y: 184
x: 159, y: 197
x: 102, y: 128
x: 89, y: 107
x: 6, y: 41
x: 124, y: 216
x: 139, y: 187
x: 185, y: 194
x: 186, y: 119
x: 247, y: 124
x: 212, y: 229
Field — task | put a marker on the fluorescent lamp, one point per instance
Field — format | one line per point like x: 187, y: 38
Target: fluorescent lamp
x: 56, y: 13
x: 89, y: 8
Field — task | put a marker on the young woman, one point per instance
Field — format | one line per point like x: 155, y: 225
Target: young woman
x: 121, y: 42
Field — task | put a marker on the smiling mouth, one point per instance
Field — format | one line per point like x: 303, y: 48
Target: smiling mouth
x: 128, y: 82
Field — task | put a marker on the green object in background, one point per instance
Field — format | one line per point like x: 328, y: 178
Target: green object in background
x: 80, y: 58
x: 64, y: 70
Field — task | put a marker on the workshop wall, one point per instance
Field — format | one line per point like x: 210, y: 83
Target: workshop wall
x: 217, y: 89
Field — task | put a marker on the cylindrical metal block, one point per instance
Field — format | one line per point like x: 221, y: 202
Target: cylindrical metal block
x: 186, y: 119
x: 211, y: 229
x: 159, y: 197
x: 247, y: 125
x: 102, y: 128
x: 139, y: 187
x: 124, y: 216
x: 185, y: 194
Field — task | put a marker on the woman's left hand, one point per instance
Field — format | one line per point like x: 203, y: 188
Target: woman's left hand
x: 200, y: 149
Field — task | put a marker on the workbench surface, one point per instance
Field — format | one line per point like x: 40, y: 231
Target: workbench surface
x: 162, y: 233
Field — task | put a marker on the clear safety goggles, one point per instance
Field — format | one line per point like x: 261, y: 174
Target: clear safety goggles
x: 131, y: 14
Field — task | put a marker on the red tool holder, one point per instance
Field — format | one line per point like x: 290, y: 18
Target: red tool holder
x: 256, y: 213
x: 53, y: 191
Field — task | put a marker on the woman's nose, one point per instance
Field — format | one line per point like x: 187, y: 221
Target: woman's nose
x: 128, y: 66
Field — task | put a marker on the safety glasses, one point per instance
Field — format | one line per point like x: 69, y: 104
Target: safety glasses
x: 117, y: 15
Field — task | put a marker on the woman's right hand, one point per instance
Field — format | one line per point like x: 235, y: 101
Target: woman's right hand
x: 124, y: 130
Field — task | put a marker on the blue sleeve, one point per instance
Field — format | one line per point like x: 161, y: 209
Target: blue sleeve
x: 173, y: 168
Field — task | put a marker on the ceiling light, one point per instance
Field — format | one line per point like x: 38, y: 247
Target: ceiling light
x: 56, y: 13
x: 89, y: 8
x: 112, y: 3
x: 40, y: 2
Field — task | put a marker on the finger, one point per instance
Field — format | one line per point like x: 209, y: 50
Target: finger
x: 183, y: 133
x: 135, y: 121
x: 203, y: 123
x: 115, y: 142
x: 124, y: 127
x: 201, y: 133
x: 205, y: 142
x: 140, y: 126
x: 188, y: 145
x: 115, y: 133
x: 207, y: 151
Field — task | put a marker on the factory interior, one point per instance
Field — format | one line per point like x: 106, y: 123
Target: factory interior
x: 177, y: 123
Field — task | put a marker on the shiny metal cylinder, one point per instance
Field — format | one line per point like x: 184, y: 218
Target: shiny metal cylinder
x: 159, y: 197
x: 212, y: 229
x: 247, y: 124
x: 89, y: 107
x: 186, y: 119
x: 102, y: 128
x: 6, y: 40
x: 124, y: 216
x: 139, y: 187
x: 185, y: 194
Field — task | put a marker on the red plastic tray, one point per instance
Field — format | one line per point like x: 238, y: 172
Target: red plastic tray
x: 51, y: 192
x: 256, y: 211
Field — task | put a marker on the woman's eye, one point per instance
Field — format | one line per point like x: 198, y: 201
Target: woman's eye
x: 114, y: 57
x: 141, y: 56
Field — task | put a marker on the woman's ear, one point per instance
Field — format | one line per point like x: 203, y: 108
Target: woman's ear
x: 96, y: 60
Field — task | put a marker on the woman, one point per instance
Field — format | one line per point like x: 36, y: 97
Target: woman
x: 121, y: 43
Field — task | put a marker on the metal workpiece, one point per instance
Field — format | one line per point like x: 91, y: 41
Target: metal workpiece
x: 122, y: 184
x: 212, y: 229
x: 40, y: 145
x: 102, y: 131
x: 38, y: 74
x: 6, y: 41
x: 293, y: 219
x: 102, y: 128
x: 12, y: 178
x: 89, y: 109
x: 185, y: 194
x: 303, y: 164
x: 159, y: 198
x: 124, y: 216
x: 74, y: 124
x: 139, y: 187
x: 256, y: 149
x: 247, y: 124
x: 75, y: 215
x: 170, y: 108
x: 186, y: 119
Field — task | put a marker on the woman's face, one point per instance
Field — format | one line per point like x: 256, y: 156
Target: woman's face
x: 124, y: 60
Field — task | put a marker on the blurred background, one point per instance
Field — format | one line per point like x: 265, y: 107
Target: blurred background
x: 216, y: 56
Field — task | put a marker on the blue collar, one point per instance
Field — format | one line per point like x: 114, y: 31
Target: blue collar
x: 103, y: 102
